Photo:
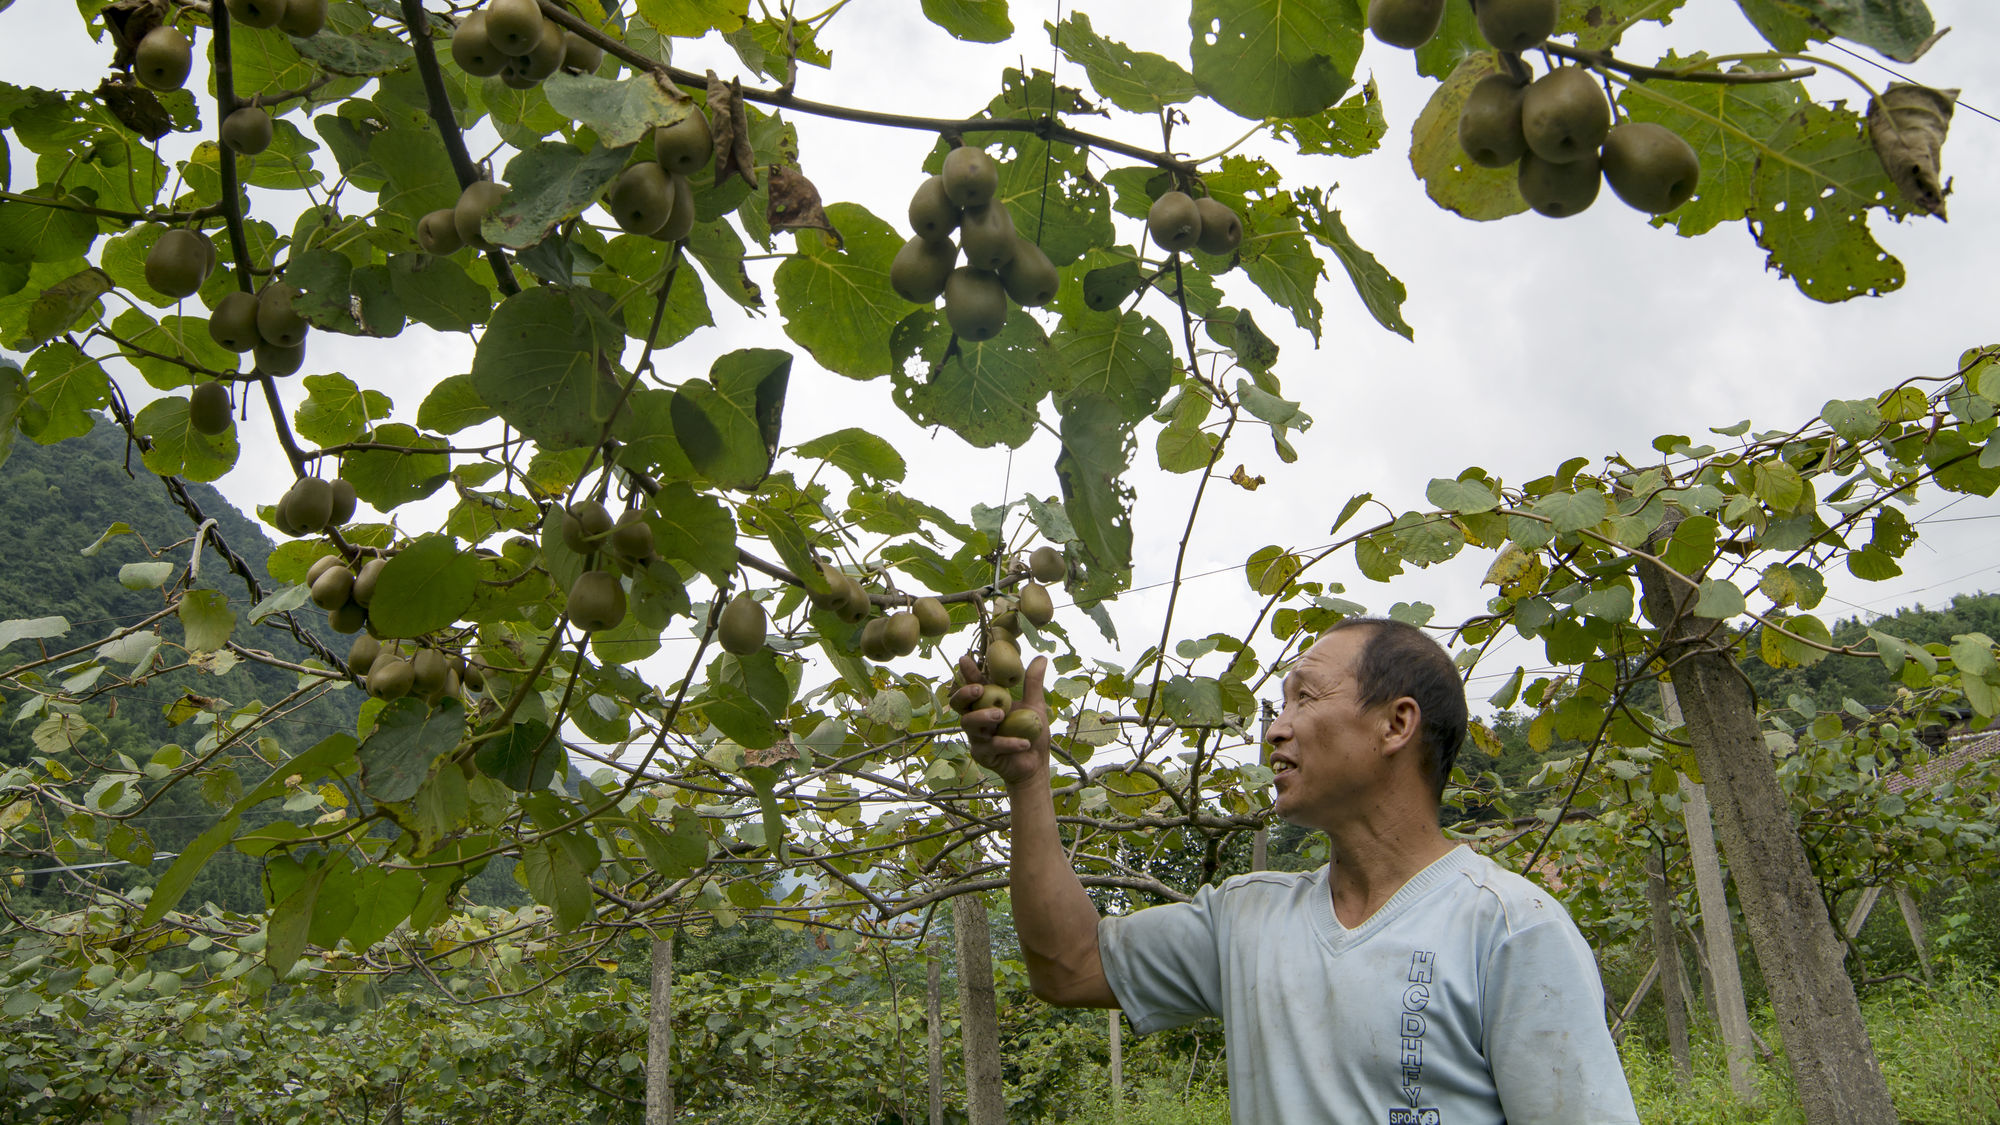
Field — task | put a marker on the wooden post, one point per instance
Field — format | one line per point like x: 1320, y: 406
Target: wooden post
x: 978, y: 1015
x: 934, y: 1019
x: 1667, y: 950
x: 660, y: 1036
x: 1907, y: 905
x: 1725, y: 976
x: 1117, y: 1034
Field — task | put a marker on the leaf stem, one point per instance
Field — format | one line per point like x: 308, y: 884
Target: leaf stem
x: 1605, y: 60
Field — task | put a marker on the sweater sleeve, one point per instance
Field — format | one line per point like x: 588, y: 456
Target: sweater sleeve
x: 1552, y: 1056
x: 1163, y: 962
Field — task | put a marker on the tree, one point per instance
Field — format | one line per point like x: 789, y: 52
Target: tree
x: 526, y: 705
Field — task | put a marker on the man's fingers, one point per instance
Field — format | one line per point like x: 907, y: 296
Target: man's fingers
x: 969, y: 668
x: 1031, y: 694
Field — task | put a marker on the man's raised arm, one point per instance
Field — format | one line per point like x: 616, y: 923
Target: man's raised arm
x: 1053, y: 915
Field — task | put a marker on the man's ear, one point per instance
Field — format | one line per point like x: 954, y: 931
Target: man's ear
x: 1402, y: 725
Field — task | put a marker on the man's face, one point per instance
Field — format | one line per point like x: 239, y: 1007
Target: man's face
x: 1323, y: 744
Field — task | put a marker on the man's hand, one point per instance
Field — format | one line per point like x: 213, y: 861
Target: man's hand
x: 1016, y: 760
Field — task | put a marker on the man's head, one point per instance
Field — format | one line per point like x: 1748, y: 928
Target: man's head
x: 1374, y: 704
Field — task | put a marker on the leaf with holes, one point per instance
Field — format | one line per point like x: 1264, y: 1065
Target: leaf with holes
x: 1273, y: 58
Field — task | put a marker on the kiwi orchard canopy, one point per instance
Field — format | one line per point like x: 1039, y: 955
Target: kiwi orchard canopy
x: 595, y: 662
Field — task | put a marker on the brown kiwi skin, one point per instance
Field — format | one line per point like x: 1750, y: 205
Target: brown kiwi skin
x: 1221, y: 227
x: 473, y: 50
x: 975, y: 303
x: 970, y: 176
x: 1489, y: 127
x: 1408, y: 24
x: 1030, y: 278
x: 1564, y: 116
x: 932, y: 213
x: 1174, y: 221
x: 686, y: 146
x: 1558, y: 190
x: 921, y: 268
x: 233, y: 322
x: 1516, y: 25
x: 986, y: 235
x: 209, y: 409
x: 1650, y: 166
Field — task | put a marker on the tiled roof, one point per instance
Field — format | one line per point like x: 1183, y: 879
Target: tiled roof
x: 1949, y: 764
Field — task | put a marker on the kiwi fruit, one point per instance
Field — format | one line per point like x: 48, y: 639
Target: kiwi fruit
x: 391, y: 678
x: 542, y: 60
x: 1564, y: 116
x: 642, y: 198
x: 320, y: 566
x: 208, y: 408
x: 902, y: 633
x: 178, y: 263
x: 1221, y: 227
x: 932, y: 213
x: 474, y: 202
x: 921, y: 268
x: 596, y: 601
x: 1007, y: 622
x: 742, y: 625
x: 970, y: 177
x: 685, y: 146
x: 1174, y: 221
x: 344, y: 500
x: 933, y: 619
x: 256, y: 13
x: 163, y: 59
x: 472, y: 48
x: 278, y: 320
x: 845, y: 597
x: 580, y: 55
x: 277, y: 360
x: 302, y: 19
x: 437, y: 233
x: 1030, y: 278
x: 681, y: 223
x: 875, y: 640
x: 1003, y: 664
x: 1516, y: 25
x: 975, y: 303
x: 986, y: 233
x: 1558, y: 190
x: 247, y: 131
x: 309, y: 504
x: 233, y: 324
x: 331, y: 590
x: 993, y: 696
x: 1022, y: 722
x: 429, y: 670
x: 474, y: 676
x: 1036, y: 604
x: 632, y: 538
x: 1405, y: 23
x: 1650, y: 167
x: 349, y: 618
x: 1048, y: 565
x: 362, y: 654
x: 365, y: 580
x: 585, y: 525
x: 514, y: 26
x: 1489, y: 127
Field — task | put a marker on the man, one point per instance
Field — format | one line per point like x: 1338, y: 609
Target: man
x: 1408, y: 982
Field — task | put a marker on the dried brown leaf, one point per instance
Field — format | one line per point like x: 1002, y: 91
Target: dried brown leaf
x: 729, y: 121
x: 1907, y: 125
x: 129, y: 21
x: 794, y: 203
x: 135, y: 107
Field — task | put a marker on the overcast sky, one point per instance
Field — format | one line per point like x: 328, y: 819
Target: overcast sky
x: 1536, y: 340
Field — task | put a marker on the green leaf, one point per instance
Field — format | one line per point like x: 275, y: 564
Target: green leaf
x: 728, y: 425
x: 61, y: 305
x: 145, y: 575
x: 980, y: 21
x: 621, y: 111
x: 32, y: 232
x: 436, y: 292
x: 548, y: 183
x: 1125, y: 360
x: 1462, y: 496
x: 67, y: 384
x: 1134, y: 81
x: 180, y: 450
x: 1450, y: 177
x: 1872, y: 565
x: 1781, y: 651
x: 859, y: 453
x: 1509, y: 691
x: 694, y: 18
x: 1972, y: 654
x: 1719, y: 600
x: 383, y: 900
x: 1096, y: 451
x: 283, y: 601
x: 419, y: 174
x: 173, y: 885
x: 1270, y: 569
x: 453, y: 404
x: 1051, y: 189
x: 1270, y: 58
x: 365, y: 53
x: 387, y: 478
x: 1779, y: 485
x: 1574, y: 511
x: 1347, y: 510
x: 673, y: 855
x: 738, y: 716
x: 1455, y: 41
x: 409, y: 735
x: 266, y: 61
x: 1379, y: 289
x: 337, y: 411
x: 835, y: 294
x: 558, y: 882
x: 695, y: 529
x: 524, y: 759
x: 987, y: 393
x: 1900, y: 29
x: 206, y: 620
x: 1355, y: 127
x: 1184, y: 447
x: 425, y: 587
x: 1853, y: 419
x: 32, y: 629
x: 541, y: 364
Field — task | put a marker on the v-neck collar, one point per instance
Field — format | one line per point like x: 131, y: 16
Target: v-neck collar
x: 1339, y: 938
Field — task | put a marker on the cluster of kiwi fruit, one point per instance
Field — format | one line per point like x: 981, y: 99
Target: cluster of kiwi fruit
x: 1004, y: 669
x: 1178, y: 222
x: 312, y: 505
x: 886, y: 637
x: 654, y: 197
x: 999, y: 263
x: 344, y: 593
x: 430, y: 674
x: 1556, y: 130
x: 513, y: 40
x: 266, y: 324
x: 597, y: 597
x: 300, y: 19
